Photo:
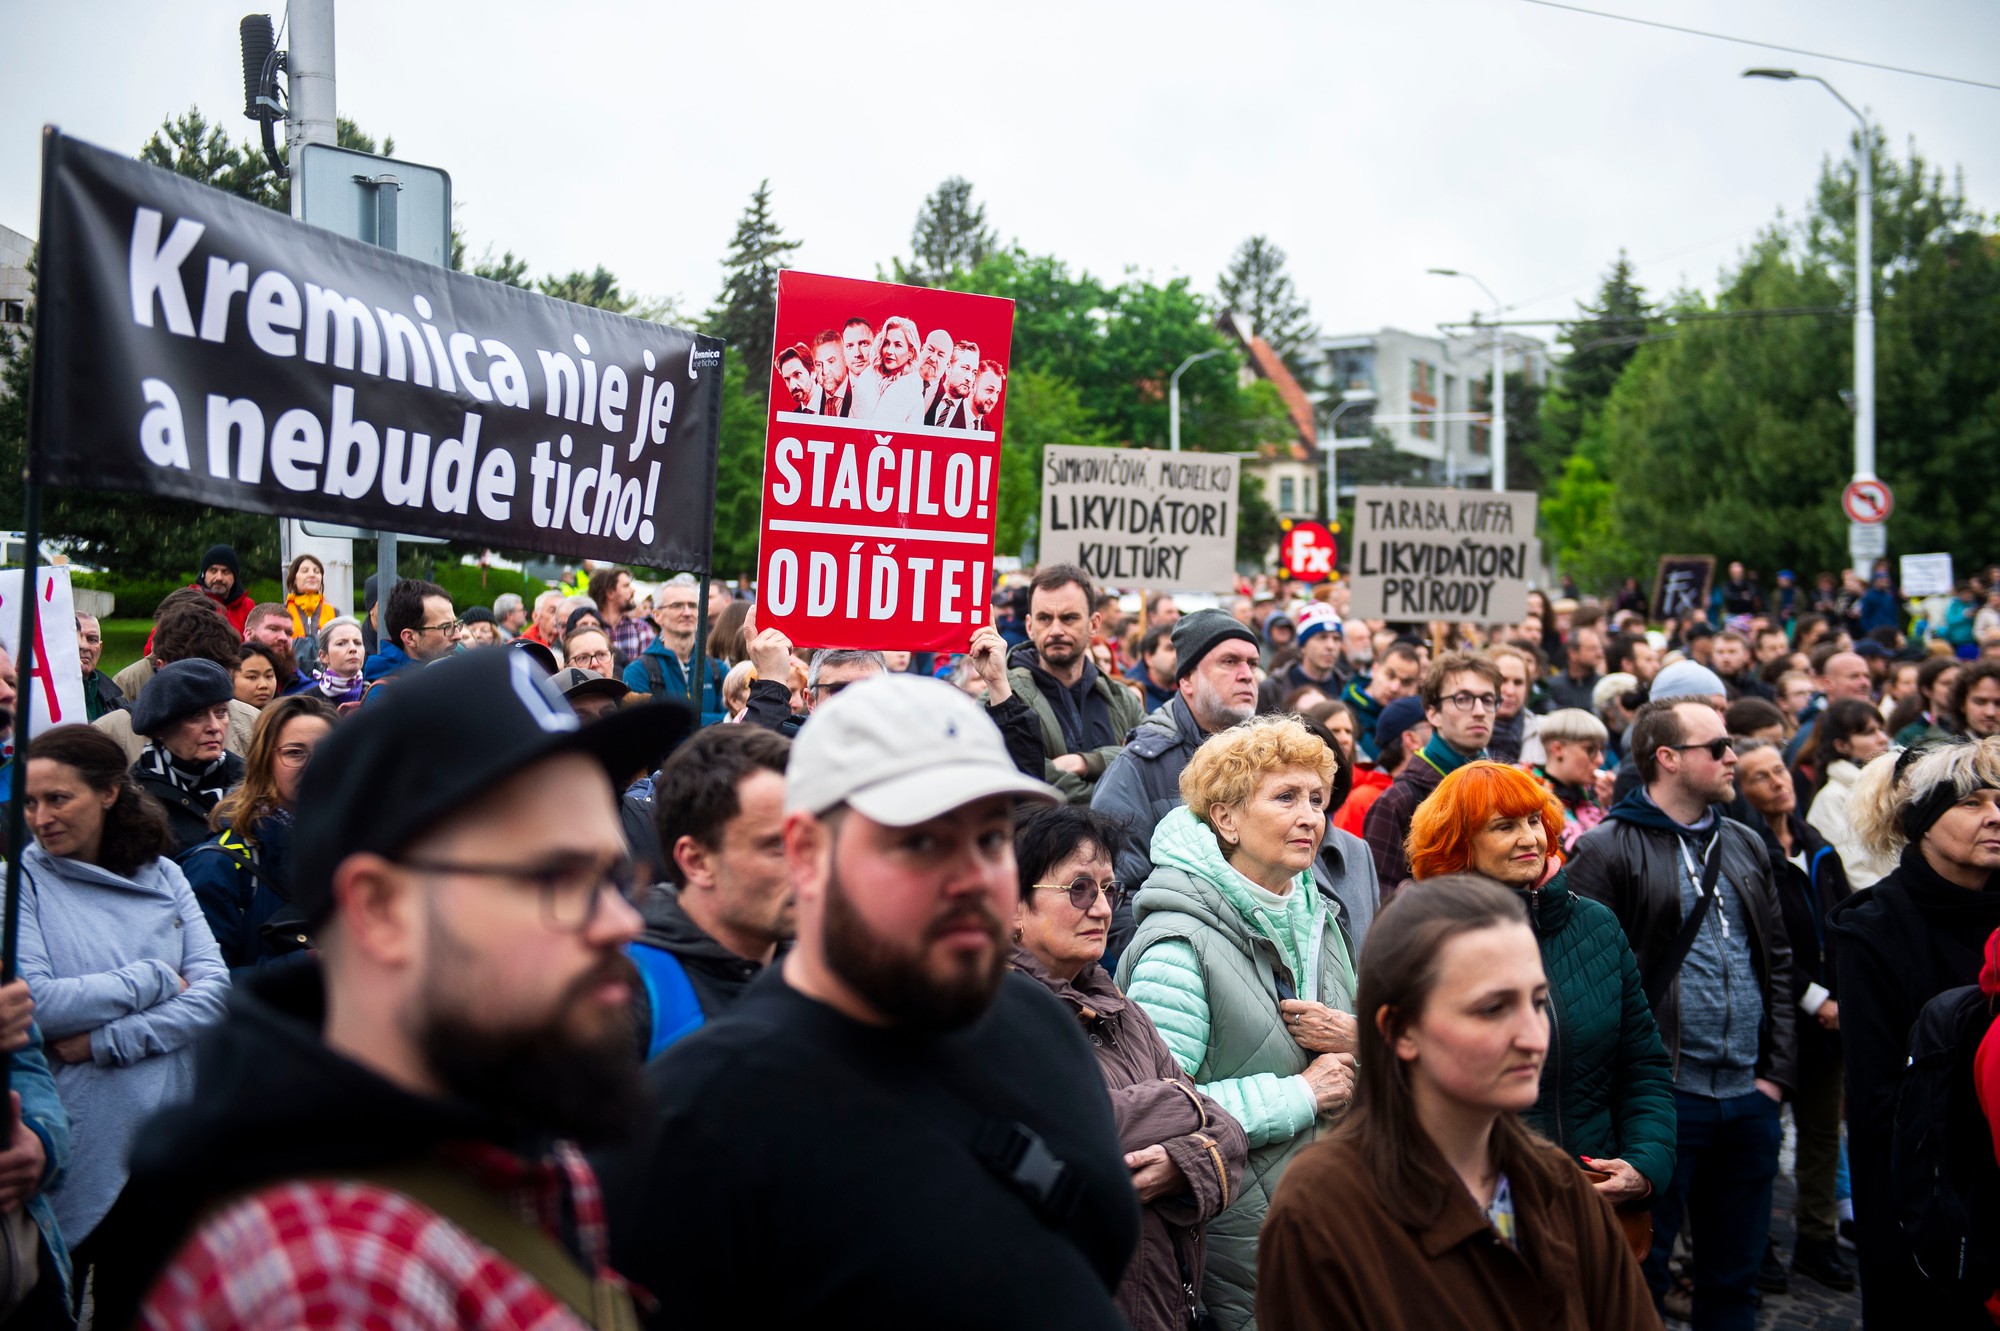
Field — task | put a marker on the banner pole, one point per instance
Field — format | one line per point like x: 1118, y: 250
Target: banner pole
x: 698, y: 676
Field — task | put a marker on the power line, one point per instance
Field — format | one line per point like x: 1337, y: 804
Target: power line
x: 1769, y: 46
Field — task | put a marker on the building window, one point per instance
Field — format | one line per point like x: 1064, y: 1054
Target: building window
x: 1481, y: 399
x: 1423, y: 398
x: 1285, y: 495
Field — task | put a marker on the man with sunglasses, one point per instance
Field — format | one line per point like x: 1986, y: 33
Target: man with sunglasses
x: 888, y: 1128
x: 1461, y: 697
x: 1694, y: 892
x: 390, y: 1137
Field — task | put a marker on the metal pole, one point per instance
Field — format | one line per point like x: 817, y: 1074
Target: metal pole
x: 1864, y: 308
x: 1174, y: 397
x: 698, y: 677
x: 1497, y: 431
x: 309, y: 112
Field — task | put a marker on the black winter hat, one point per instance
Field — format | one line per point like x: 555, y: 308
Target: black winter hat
x: 478, y: 614
x: 435, y: 741
x: 223, y: 555
x: 1200, y: 633
x: 179, y: 690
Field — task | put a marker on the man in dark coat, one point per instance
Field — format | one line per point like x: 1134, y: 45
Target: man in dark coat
x: 1725, y: 1008
x: 726, y: 909
x: 889, y: 1128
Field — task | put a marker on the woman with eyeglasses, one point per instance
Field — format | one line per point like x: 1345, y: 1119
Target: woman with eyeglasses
x: 1185, y: 1152
x: 242, y: 876
x: 1244, y: 965
x: 1607, y: 1091
x: 113, y: 945
x: 589, y: 649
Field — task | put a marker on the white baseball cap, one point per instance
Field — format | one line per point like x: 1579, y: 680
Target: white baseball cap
x: 901, y: 750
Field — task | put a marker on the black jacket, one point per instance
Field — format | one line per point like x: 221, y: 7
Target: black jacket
x: 718, y: 975
x: 1636, y: 869
x: 824, y: 1170
x: 244, y: 887
x: 1807, y: 896
x: 271, y: 1102
x: 1899, y: 943
x: 1142, y: 786
x: 187, y: 810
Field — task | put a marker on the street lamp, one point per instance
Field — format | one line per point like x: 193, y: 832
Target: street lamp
x: 1360, y: 397
x: 1174, y: 397
x: 1864, y: 287
x: 1498, y: 424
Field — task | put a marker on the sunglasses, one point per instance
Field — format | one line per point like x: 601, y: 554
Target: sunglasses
x: 1083, y: 891
x: 1716, y: 747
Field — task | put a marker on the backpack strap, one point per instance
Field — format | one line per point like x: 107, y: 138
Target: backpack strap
x: 1669, y: 966
x: 656, y: 674
x: 599, y: 1302
x: 669, y: 993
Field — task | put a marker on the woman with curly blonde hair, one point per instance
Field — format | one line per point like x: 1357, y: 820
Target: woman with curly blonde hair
x: 1607, y: 1090
x: 1245, y: 965
x: 1933, y: 811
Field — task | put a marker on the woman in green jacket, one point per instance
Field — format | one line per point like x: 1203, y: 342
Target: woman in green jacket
x: 1242, y: 964
x: 1607, y: 1089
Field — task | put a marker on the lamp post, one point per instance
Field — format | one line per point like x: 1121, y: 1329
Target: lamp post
x: 1174, y: 397
x: 1498, y: 422
x: 1361, y: 397
x: 1864, y: 288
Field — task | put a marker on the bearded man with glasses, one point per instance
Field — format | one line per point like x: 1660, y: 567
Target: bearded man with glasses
x: 1695, y: 894
x: 1461, y: 697
x: 389, y: 1135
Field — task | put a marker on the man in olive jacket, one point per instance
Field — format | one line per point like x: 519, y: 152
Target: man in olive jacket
x: 1725, y: 1011
x: 1085, y: 715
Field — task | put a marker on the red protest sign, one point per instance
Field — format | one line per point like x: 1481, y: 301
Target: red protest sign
x: 882, y: 464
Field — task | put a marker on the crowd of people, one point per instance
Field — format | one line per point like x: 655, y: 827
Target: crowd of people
x: 1255, y: 965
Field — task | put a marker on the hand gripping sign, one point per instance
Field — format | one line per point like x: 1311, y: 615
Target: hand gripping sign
x: 882, y: 464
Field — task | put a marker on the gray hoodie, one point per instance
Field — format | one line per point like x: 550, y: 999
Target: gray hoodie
x: 107, y: 955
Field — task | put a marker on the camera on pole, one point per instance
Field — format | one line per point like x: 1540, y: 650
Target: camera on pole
x: 261, y: 62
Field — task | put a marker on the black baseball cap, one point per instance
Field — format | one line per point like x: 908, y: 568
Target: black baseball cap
x: 436, y: 740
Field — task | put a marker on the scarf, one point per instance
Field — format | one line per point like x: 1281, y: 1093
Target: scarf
x: 337, y: 687
x: 203, y: 780
x: 1505, y: 746
x: 1445, y: 758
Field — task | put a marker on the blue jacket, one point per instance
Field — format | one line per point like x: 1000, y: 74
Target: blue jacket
x: 241, y: 886
x: 673, y: 679
x: 106, y: 955
x: 42, y: 1110
x: 389, y: 661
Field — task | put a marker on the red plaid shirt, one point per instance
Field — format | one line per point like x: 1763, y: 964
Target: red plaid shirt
x: 315, y: 1253
x: 630, y: 637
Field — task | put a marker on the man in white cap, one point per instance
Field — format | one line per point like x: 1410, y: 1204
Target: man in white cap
x: 889, y: 1127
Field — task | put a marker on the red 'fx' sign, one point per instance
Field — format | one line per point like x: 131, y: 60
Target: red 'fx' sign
x: 1308, y: 551
x: 882, y: 464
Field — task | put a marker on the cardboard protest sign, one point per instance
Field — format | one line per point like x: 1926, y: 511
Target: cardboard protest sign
x: 1682, y: 586
x: 57, y: 696
x: 1926, y: 575
x: 1437, y: 554
x: 192, y: 344
x: 1141, y: 517
x: 882, y: 464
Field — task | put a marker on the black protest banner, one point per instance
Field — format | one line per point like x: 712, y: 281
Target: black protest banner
x: 192, y: 344
x: 1681, y: 586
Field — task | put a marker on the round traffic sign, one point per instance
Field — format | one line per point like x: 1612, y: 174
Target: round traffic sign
x: 1308, y: 551
x: 1867, y: 501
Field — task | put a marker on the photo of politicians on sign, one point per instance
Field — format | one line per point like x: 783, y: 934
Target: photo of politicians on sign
x: 894, y: 374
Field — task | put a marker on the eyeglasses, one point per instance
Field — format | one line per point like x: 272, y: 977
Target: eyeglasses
x: 590, y: 658
x: 828, y: 690
x: 448, y: 628
x: 570, y: 891
x: 1083, y: 891
x: 1473, y: 702
x: 679, y: 607
x: 1716, y: 747
x: 294, y: 755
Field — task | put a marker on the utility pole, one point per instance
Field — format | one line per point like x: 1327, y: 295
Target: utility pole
x: 1497, y: 424
x: 1174, y: 398
x: 310, y: 110
x: 1862, y: 557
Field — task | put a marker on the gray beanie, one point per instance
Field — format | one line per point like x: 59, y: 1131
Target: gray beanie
x: 1200, y: 633
x: 1687, y: 679
x: 178, y: 690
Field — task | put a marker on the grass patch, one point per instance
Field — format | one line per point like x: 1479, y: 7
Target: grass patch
x: 124, y: 641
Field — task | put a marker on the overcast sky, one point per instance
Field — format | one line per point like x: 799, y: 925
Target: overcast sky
x: 1370, y: 141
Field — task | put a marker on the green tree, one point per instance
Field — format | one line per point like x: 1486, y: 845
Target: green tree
x: 739, y: 471
x: 1601, y: 343
x: 745, y: 314
x: 1729, y: 435
x: 1042, y: 409
x: 949, y: 239
x: 1256, y: 284
x: 598, y: 289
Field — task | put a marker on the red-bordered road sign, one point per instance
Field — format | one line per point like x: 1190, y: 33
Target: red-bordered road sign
x: 1308, y: 551
x: 1867, y: 501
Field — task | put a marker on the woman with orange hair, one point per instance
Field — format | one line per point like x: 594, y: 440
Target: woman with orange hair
x: 1607, y: 1094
